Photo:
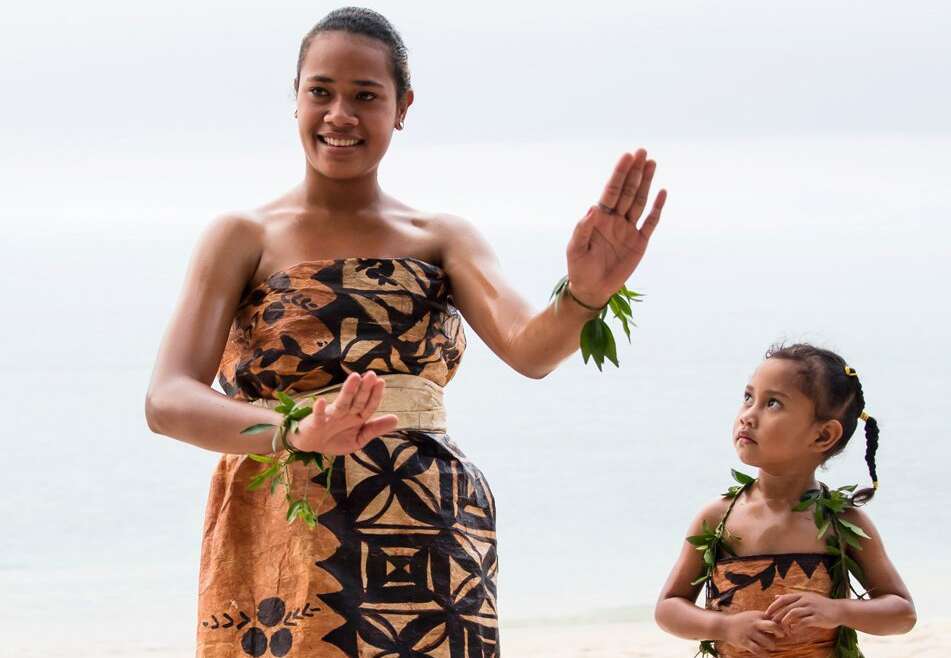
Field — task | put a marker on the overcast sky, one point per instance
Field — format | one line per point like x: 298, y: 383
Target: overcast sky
x: 114, y: 77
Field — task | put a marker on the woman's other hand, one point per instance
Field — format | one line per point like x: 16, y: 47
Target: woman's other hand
x: 607, y: 244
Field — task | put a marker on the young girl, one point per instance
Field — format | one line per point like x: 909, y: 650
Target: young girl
x: 774, y: 585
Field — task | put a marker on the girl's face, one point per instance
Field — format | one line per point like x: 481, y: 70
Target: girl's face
x: 346, y: 104
x: 776, y: 427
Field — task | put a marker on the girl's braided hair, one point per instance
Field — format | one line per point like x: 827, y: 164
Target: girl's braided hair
x: 836, y: 391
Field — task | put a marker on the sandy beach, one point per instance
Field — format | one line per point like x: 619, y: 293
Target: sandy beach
x: 642, y: 639
x: 550, y: 639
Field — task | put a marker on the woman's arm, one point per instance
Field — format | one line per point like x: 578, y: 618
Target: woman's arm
x: 678, y: 614
x: 602, y: 253
x: 180, y: 402
x: 889, y: 611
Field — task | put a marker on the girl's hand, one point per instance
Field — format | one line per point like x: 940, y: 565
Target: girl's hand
x: 345, y: 426
x: 805, y: 610
x: 607, y: 245
x: 752, y: 631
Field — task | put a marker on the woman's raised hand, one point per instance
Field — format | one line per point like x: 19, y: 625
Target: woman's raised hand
x: 345, y: 425
x: 607, y: 243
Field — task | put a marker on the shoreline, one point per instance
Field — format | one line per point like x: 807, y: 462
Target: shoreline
x: 610, y: 633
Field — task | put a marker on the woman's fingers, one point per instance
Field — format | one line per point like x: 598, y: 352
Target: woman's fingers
x: 342, y: 402
x: 631, y: 184
x: 581, y: 237
x: 319, y: 410
x: 373, y: 401
x: 376, y: 427
x: 612, y: 191
x: 633, y: 213
x: 360, y: 399
x: 654, y: 217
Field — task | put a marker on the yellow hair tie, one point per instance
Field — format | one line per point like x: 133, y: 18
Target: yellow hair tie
x: 863, y: 416
x: 875, y: 485
x: 851, y: 372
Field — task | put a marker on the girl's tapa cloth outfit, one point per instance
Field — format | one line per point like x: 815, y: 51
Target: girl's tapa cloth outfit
x: 752, y: 582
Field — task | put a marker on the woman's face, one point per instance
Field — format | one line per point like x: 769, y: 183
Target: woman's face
x: 776, y: 425
x: 346, y: 104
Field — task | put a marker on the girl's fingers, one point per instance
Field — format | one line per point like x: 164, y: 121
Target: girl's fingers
x: 763, y: 641
x: 779, y: 604
x: 770, y: 628
x: 631, y: 184
x: 795, y: 616
x: 643, y: 191
x: 612, y: 191
x: 654, y: 217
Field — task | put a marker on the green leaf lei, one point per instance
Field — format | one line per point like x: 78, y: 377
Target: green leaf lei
x: 828, y: 506
x: 277, y: 470
x: 597, y: 340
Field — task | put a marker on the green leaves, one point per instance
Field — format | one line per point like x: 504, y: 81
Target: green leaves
x: 710, y: 542
x: 847, y: 643
x: 301, y: 509
x: 597, y: 340
x: 277, y: 472
x: 744, y: 481
x: 828, y: 507
x: 742, y: 478
x: 258, y: 429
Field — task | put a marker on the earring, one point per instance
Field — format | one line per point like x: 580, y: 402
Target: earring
x: 295, y: 114
x: 399, y: 124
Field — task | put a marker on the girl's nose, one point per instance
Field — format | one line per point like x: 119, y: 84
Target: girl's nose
x: 748, y: 417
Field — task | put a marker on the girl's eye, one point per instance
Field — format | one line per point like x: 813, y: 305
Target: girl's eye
x: 772, y: 400
x: 747, y: 397
x: 318, y: 91
x: 366, y: 95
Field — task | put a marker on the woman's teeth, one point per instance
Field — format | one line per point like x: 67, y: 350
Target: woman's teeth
x: 334, y: 141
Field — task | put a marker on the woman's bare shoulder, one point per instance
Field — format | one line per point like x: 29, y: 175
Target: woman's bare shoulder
x: 234, y: 237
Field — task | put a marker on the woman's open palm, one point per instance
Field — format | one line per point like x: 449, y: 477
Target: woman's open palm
x: 345, y: 426
x: 607, y: 243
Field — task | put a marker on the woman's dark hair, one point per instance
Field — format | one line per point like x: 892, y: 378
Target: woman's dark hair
x: 836, y: 391
x: 368, y: 23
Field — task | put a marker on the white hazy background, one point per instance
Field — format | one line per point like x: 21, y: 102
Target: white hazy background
x: 805, y: 146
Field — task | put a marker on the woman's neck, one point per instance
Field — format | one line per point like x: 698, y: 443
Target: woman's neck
x: 349, y: 195
x: 786, y: 487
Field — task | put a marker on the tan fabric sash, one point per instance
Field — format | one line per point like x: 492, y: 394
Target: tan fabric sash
x: 416, y: 401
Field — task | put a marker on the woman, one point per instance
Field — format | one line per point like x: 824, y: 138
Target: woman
x: 338, y: 288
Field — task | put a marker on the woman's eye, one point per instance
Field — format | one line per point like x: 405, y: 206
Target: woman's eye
x: 747, y: 397
x: 366, y: 95
x: 318, y: 91
x: 774, y: 400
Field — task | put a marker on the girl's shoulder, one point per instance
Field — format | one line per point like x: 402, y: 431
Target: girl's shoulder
x: 860, y: 518
x: 712, y: 512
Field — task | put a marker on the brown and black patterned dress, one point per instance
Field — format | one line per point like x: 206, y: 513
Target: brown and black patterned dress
x: 403, y: 560
x: 752, y: 582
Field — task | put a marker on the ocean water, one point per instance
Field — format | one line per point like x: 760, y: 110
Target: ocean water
x: 838, y: 241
